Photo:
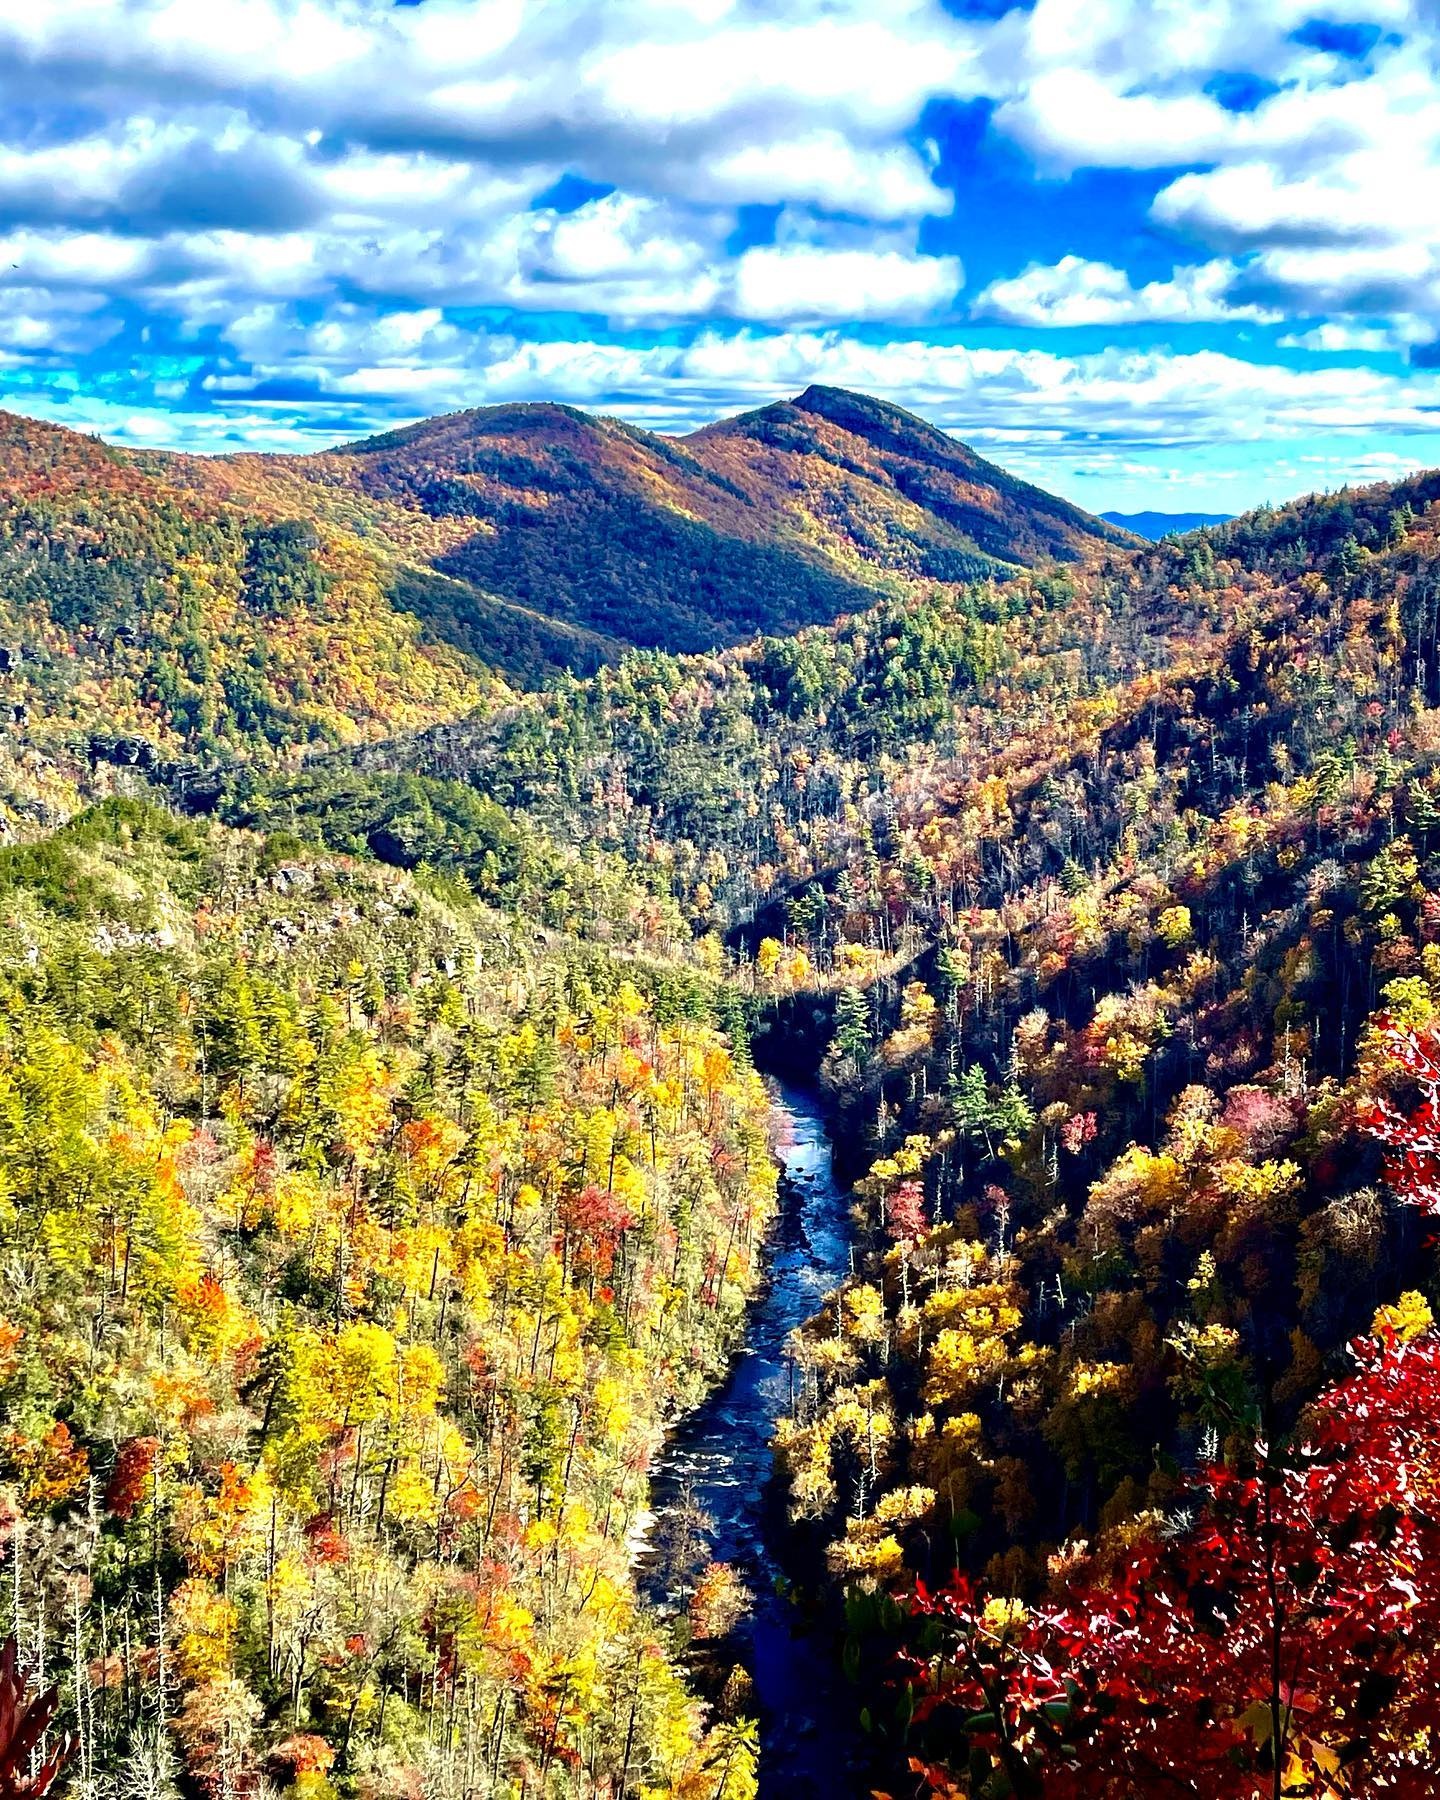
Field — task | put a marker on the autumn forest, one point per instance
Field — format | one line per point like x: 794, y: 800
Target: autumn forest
x: 442, y: 881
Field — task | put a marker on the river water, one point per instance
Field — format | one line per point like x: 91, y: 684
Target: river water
x: 719, y: 1461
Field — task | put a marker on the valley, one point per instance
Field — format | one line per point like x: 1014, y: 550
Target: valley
x: 436, y: 1359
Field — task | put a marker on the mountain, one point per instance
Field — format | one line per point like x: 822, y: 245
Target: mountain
x: 877, y: 483
x: 170, y: 606
x: 594, y: 522
x: 784, y: 517
x: 144, y: 618
x: 1155, y: 525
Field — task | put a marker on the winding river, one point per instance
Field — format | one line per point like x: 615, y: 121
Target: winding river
x: 718, y: 1461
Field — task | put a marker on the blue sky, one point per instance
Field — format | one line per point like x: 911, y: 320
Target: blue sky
x: 1150, y: 253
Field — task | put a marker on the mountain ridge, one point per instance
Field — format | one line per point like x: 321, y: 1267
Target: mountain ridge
x: 209, y: 606
x: 787, y: 515
x: 1155, y: 525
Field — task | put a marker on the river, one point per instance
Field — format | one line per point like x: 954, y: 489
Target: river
x: 719, y: 1461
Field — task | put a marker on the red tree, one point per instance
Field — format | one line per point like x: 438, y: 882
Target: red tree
x: 906, y: 1213
x: 26, y: 1772
x: 1412, y: 1139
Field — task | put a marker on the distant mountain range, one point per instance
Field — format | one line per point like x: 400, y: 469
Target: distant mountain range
x: 1157, y: 525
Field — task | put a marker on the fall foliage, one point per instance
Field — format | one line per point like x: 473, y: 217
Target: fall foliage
x: 386, y: 948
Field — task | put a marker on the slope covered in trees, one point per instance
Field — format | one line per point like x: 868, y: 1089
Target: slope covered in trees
x: 775, y: 520
x: 139, y: 621
x: 1088, y: 888
x: 158, y: 608
x: 892, y: 490
x: 383, y: 1165
x: 357, y: 1244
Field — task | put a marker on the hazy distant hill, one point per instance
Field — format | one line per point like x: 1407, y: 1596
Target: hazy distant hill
x: 1162, y: 524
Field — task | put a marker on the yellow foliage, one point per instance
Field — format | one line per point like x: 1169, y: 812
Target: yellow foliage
x: 1410, y: 1317
x: 202, y: 1625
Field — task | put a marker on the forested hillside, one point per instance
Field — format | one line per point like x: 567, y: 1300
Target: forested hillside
x: 1091, y: 889
x: 358, y: 1242
x: 159, y: 609
x: 894, y: 490
x: 781, y: 518
x: 139, y: 621
x: 383, y: 1164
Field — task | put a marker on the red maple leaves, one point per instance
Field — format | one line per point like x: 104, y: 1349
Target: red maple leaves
x: 1412, y: 1140
x: 1283, y: 1639
x: 27, y: 1770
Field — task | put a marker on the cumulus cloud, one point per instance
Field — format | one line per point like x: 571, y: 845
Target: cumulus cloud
x: 39, y: 326
x: 389, y: 133
x: 1073, y: 117
x: 1352, y: 200
x: 802, y: 281
x: 413, y: 362
x: 311, y: 149
x: 72, y: 259
x: 1339, y: 337
x: 626, y: 258
x: 1394, y: 279
x: 1075, y: 291
x: 642, y: 93
x: 822, y: 167
x: 367, y: 211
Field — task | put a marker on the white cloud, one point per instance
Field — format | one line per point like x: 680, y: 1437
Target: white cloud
x: 1072, y: 117
x: 272, y: 334
x: 48, y: 323
x: 1076, y: 291
x: 804, y: 281
x: 626, y: 258
x: 1001, y: 397
x: 614, y: 237
x: 210, y: 169
x: 1326, y: 176
x: 824, y: 169
x: 1380, y: 278
x: 1337, y: 336
x: 416, y: 136
x: 214, y: 158
x: 643, y: 93
x: 623, y: 257
x: 72, y: 259
x: 1353, y: 200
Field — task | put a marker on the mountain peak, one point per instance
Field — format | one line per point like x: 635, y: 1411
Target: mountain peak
x: 784, y: 516
x: 583, y: 534
x: 454, y: 428
x: 916, y: 499
x: 856, y: 412
x: 820, y: 398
